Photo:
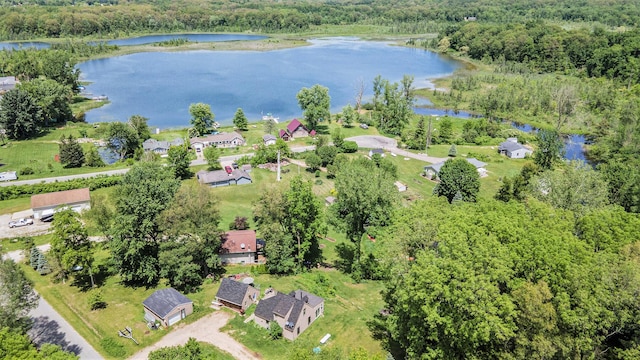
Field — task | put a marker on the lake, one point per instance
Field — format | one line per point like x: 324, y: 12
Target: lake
x: 162, y: 85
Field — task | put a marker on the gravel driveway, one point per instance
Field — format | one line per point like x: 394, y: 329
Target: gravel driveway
x: 38, y: 228
x: 207, y: 330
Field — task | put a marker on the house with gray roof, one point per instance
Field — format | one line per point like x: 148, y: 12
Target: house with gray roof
x: 221, y: 140
x: 160, y: 147
x: 168, y: 306
x: 294, y: 312
x: 431, y: 171
x: 236, y: 295
x: 219, y: 178
x: 513, y: 149
x: 7, y: 83
x: 269, y: 139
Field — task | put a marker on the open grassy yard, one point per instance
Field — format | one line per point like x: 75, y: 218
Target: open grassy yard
x: 124, y: 308
x: 348, y: 306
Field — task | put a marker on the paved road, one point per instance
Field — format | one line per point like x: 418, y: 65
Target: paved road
x: 50, y: 327
x: 223, y: 159
x: 389, y: 144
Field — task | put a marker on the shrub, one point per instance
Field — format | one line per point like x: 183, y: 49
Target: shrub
x: 317, y: 173
x: 349, y: 147
x: 275, y: 331
x: 96, y: 300
x: 453, y: 152
x: 17, y: 191
x: 112, y: 347
x: 26, y: 171
x: 318, y: 182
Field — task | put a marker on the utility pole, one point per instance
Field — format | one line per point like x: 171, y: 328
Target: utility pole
x: 426, y: 148
x: 278, y: 171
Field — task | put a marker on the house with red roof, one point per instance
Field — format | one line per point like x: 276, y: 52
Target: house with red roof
x: 239, y: 247
x: 284, y: 135
x: 296, y: 129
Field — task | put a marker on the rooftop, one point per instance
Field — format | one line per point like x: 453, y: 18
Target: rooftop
x: 60, y: 198
x: 232, y: 291
x: 163, y: 301
x: 239, y: 241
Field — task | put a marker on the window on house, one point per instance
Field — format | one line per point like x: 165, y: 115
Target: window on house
x: 298, y: 331
x: 309, y: 320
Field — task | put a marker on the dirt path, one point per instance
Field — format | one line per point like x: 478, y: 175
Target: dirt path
x: 206, y: 329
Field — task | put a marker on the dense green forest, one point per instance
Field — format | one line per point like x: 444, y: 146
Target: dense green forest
x: 54, y: 18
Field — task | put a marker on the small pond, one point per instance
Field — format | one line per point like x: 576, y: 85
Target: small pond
x: 24, y: 45
x: 150, y: 39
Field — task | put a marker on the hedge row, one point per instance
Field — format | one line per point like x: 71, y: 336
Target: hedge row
x: 17, y: 191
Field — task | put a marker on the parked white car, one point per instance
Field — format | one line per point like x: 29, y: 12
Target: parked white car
x: 20, y: 222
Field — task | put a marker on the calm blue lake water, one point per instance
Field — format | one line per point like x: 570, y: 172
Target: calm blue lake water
x: 150, y: 39
x: 162, y: 85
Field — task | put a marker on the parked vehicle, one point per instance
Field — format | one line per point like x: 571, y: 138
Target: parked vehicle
x: 364, y: 126
x: 228, y: 169
x: 20, y: 222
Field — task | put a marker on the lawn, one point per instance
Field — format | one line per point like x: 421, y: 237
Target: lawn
x: 124, y: 308
x: 348, y: 306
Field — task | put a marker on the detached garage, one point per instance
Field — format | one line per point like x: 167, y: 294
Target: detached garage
x: 46, y: 204
x: 167, y: 306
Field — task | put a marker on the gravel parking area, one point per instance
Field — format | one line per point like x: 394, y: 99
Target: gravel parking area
x: 38, y: 228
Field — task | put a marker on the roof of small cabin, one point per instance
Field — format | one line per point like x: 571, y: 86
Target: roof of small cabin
x: 163, y: 301
x: 232, y: 291
x: 283, y: 133
x: 217, y: 176
x: 294, y: 125
x: 234, y: 239
x: 152, y: 144
x: 269, y: 137
x: 511, y: 146
x: 60, y: 198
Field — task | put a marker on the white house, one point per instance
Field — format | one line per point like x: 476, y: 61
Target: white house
x: 46, y: 204
x: 514, y: 150
x: 239, y: 247
x: 221, y: 140
x: 269, y: 139
x: 8, y: 176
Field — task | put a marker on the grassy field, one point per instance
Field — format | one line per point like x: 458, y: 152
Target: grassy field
x: 124, y: 308
x: 348, y: 306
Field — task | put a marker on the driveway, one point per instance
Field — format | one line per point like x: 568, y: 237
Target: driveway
x: 38, y: 228
x: 49, y: 327
x: 391, y: 145
x: 207, y: 330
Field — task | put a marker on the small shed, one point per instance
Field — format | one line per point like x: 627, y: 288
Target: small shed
x: 329, y: 200
x: 236, y: 295
x: 167, y: 306
x: 269, y: 139
x: 401, y: 187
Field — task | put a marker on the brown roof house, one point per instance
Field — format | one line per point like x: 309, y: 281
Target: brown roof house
x: 236, y: 295
x: 44, y: 205
x: 167, y: 306
x: 294, y: 312
x: 239, y: 247
x: 221, y: 140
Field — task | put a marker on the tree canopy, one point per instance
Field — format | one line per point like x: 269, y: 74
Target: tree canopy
x: 315, y: 102
x: 19, y: 114
x: 458, y: 177
x: 201, y: 118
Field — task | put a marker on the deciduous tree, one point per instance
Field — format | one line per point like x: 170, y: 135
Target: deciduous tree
x: 146, y: 190
x: 458, y: 176
x: 17, y: 297
x: 315, y: 102
x: 179, y: 161
x: 139, y: 125
x: 70, y: 244
x: 92, y: 157
x: 122, y: 139
x: 52, y: 97
x: 212, y: 155
x: 201, y: 118
x: 550, y: 149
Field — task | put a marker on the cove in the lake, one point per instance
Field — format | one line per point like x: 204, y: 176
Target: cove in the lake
x: 162, y: 85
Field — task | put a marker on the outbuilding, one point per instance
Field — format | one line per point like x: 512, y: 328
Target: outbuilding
x: 46, y: 204
x: 236, y: 295
x: 167, y: 306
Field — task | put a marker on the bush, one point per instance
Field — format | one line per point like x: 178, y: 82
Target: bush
x: 17, y: 191
x: 112, y: 347
x: 318, y: 182
x: 317, y: 173
x: 26, y: 171
x: 96, y: 300
x: 275, y: 331
x: 453, y: 152
x: 349, y: 147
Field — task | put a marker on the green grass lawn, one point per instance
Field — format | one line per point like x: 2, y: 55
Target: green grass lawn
x: 124, y: 308
x: 348, y: 306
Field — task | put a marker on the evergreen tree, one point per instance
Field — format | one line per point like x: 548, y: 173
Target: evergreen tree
x: 453, y: 152
x: 33, y: 258
x: 42, y: 265
x: 71, y: 154
x: 240, y: 120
